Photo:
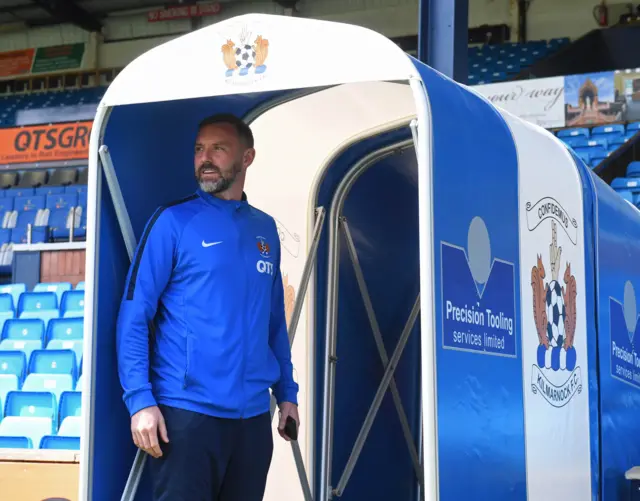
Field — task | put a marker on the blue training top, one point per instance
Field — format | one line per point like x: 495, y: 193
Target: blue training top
x: 207, y: 273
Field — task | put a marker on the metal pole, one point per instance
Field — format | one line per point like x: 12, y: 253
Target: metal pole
x: 73, y: 223
x: 293, y: 325
x: 364, y: 292
x: 130, y: 243
x: 326, y: 451
x: 377, y: 401
x: 118, y: 201
x: 424, y: 149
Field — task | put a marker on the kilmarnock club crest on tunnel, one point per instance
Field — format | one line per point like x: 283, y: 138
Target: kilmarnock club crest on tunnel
x: 555, y: 376
x: 245, y: 57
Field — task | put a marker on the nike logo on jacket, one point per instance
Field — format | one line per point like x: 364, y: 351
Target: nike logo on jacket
x: 220, y: 340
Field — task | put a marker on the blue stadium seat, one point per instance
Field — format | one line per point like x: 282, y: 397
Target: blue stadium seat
x: 42, y: 305
x: 579, y: 131
x: 15, y: 290
x: 26, y: 335
x: 8, y: 382
x: 15, y: 443
x: 39, y: 234
x: 80, y: 286
x: 19, y: 192
x: 633, y: 169
x: 29, y: 203
x: 49, y: 190
x: 72, y: 304
x: 70, y: 405
x: 7, y: 310
x: 54, y: 362
x: 61, y: 201
x: 59, y: 288
x: 13, y: 363
x: 624, y: 183
x: 633, y: 127
x: 66, y: 334
x: 60, y: 442
x: 54, y: 383
x: 29, y: 414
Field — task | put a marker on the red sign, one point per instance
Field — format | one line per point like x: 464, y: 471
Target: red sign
x: 17, y: 62
x: 186, y: 12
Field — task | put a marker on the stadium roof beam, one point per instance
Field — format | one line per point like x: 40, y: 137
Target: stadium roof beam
x: 67, y: 11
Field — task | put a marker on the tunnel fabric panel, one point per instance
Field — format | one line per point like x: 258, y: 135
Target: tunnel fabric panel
x: 618, y: 269
x: 383, y: 223
x: 555, y: 366
x: 477, y: 279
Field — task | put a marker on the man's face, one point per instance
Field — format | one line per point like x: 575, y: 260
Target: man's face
x: 219, y: 157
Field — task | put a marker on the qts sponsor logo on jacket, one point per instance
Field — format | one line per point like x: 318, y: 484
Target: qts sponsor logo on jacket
x: 45, y: 143
x: 262, y: 265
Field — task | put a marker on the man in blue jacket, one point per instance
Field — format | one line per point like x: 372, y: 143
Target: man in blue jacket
x: 206, y: 276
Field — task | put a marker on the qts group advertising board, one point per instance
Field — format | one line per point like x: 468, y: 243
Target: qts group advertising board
x: 45, y: 143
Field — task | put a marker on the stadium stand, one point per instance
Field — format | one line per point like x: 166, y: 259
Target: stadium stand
x: 41, y: 365
x: 58, y: 102
x: 595, y: 144
x: 492, y: 63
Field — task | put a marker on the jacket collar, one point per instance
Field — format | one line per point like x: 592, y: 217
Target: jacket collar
x: 219, y: 202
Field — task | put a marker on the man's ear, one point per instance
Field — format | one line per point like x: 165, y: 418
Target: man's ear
x: 249, y: 156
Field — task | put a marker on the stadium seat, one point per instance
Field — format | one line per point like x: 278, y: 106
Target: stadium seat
x: 573, y: 132
x: 54, y: 383
x: 23, y: 334
x: 72, y: 304
x: 8, y: 382
x: 42, y: 305
x: 60, y: 442
x: 54, y: 362
x: 7, y: 310
x: 59, y: 288
x: 71, y: 427
x: 13, y: 363
x: 633, y: 170
x: 15, y: 443
x: 15, y: 290
x: 29, y: 414
x: 80, y: 286
x: 66, y: 334
x: 69, y: 409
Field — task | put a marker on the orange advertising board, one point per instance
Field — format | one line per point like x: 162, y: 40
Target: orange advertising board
x: 45, y: 143
x: 16, y: 62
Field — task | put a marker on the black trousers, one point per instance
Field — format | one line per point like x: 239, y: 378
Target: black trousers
x: 212, y: 459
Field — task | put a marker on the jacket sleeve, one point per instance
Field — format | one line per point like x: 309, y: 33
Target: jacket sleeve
x: 286, y: 389
x: 148, y: 276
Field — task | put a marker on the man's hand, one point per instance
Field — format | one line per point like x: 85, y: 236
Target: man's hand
x: 287, y: 409
x: 145, y: 427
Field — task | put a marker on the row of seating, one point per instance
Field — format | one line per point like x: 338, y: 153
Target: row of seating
x: 29, y: 335
x: 37, y: 420
x: 499, y: 62
x: 41, y: 346
x: 58, y: 100
x: 47, y: 189
x: 51, y: 216
x: 43, y: 178
x: 595, y: 144
x: 628, y: 187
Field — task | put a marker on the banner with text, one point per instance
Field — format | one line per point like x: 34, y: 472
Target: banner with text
x: 53, y: 59
x: 45, y: 143
x: 540, y: 101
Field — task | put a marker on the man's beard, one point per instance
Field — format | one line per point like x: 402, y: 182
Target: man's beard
x: 223, y: 183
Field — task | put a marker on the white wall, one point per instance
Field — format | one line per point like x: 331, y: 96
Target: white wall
x: 546, y: 19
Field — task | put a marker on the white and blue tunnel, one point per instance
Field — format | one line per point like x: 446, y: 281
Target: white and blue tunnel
x: 508, y: 355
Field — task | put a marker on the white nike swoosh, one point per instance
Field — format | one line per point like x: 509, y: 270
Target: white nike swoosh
x: 205, y: 244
